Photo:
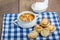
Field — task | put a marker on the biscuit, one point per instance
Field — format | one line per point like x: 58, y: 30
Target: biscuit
x: 45, y: 33
x: 51, y: 28
x: 31, y: 39
x: 45, y: 22
x: 47, y: 29
x: 38, y: 28
x: 54, y: 28
x: 33, y: 34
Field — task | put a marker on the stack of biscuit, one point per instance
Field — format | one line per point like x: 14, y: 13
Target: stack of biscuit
x: 44, y: 29
x: 33, y: 35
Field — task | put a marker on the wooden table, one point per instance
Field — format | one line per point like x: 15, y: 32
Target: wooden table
x: 16, y: 6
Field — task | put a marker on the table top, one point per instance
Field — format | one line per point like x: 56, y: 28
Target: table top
x: 54, y: 5
x: 11, y: 31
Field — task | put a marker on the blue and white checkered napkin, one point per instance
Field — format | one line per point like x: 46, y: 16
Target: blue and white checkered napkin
x: 11, y: 31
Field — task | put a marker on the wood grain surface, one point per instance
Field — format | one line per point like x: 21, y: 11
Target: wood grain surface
x: 17, y: 6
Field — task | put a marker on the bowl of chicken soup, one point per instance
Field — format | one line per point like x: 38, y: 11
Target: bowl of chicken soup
x: 26, y: 19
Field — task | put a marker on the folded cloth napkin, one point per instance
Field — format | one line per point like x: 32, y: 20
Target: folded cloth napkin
x: 11, y: 31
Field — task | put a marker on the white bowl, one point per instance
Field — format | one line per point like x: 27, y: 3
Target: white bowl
x: 42, y: 8
x: 26, y: 24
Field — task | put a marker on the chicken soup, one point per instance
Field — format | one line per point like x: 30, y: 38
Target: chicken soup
x: 26, y: 17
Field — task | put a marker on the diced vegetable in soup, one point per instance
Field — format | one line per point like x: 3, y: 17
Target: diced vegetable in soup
x: 27, y: 17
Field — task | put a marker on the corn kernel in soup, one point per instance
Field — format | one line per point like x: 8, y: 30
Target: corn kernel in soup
x: 27, y: 17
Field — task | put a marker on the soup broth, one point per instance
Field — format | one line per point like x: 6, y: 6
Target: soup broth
x: 27, y: 17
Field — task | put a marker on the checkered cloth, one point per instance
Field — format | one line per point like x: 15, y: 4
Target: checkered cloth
x: 11, y: 31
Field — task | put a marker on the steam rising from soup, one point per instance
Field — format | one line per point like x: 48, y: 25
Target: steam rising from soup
x: 27, y: 17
